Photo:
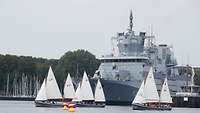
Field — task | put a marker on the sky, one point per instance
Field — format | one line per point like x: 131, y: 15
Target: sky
x: 49, y: 28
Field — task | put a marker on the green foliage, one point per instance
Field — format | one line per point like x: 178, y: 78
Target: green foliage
x: 17, y: 66
x: 76, y: 63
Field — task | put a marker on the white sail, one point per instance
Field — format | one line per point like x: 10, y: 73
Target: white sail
x: 86, y: 90
x: 69, y: 92
x: 99, y: 94
x: 150, y: 90
x: 77, y: 97
x: 139, y: 98
x: 53, y: 91
x: 42, y: 92
x: 165, y: 94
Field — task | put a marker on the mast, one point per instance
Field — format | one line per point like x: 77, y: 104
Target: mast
x: 131, y: 21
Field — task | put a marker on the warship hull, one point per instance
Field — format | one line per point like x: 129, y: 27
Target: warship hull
x: 117, y: 92
x: 120, y: 92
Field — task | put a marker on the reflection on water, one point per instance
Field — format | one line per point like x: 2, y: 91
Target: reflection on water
x: 29, y: 107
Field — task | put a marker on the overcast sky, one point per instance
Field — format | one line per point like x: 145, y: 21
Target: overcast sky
x: 49, y: 28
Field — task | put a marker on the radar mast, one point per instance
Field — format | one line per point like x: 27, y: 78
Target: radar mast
x: 131, y: 21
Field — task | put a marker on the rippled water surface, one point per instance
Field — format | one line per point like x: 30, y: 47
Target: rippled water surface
x: 28, y: 107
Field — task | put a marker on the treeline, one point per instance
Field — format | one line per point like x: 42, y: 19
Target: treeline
x: 22, y: 75
x: 22, y: 72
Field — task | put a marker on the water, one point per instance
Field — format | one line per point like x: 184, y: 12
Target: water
x: 29, y: 107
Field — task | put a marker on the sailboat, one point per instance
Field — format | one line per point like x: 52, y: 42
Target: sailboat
x: 165, y: 98
x: 49, y: 94
x: 99, y: 94
x: 147, y: 97
x: 69, y: 92
x: 84, y: 96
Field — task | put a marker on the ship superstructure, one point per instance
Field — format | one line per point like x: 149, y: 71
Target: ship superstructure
x: 125, y: 68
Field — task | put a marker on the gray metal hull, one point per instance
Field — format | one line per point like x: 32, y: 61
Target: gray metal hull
x: 117, y: 92
x: 120, y: 92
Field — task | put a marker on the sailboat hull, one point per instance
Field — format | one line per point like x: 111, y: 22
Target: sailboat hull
x: 48, y: 104
x: 143, y: 107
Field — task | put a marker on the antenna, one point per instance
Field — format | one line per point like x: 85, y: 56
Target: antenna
x: 151, y: 38
x: 131, y: 20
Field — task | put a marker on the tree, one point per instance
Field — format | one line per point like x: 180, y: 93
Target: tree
x: 80, y: 61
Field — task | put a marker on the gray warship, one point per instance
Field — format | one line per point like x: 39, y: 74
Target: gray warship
x: 123, y: 70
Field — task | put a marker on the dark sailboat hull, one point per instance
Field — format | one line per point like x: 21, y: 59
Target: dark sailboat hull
x: 142, y: 107
x: 90, y: 105
x: 48, y: 104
